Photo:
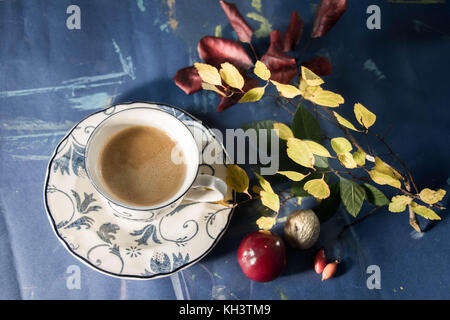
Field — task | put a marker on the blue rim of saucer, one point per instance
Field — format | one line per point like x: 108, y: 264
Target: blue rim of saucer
x: 87, y: 262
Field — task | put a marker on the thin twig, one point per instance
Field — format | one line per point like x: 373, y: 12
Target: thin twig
x: 344, y: 228
x: 402, y: 163
x: 254, y: 51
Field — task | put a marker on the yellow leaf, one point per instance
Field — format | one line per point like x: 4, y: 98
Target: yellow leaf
x: 317, y: 149
x: 381, y: 178
x: 341, y: 145
x: 286, y: 90
x: 299, y: 151
x: 326, y: 98
x: 430, y: 196
x: 347, y: 160
x: 231, y: 75
x: 264, y: 183
x: 252, y: 95
x: 237, y: 178
x: 317, y: 188
x: 208, y: 73
x: 424, y: 212
x: 302, y: 86
x: 211, y: 87
x: 399, y: 203
x: 266, y: 223
x: 261, y: 70
x: 270, y: 200
x: 360, y: 157
x: 293, y: 175
x: 344, y: 122
x: 311, y: 78
x: 284, y: 132
x: 299, y: 201
x: 386, y: 169
x: 364, y: 116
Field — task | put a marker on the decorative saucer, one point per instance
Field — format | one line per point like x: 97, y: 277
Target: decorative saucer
x: 103, y: 238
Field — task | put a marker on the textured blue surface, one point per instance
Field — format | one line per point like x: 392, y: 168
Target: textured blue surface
x: 52, y: 77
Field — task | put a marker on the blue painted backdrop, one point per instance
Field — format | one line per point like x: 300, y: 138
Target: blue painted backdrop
x: 52, y: 77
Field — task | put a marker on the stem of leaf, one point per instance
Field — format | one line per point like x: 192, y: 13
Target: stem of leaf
x: 253, y: 51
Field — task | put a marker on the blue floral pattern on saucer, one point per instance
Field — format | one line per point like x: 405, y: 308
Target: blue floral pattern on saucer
x: 92, y: 231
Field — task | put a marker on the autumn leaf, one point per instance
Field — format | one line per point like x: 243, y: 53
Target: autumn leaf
x: 341, y: 145
x: 215, y: 51
x: 344, y: 122
x: 211, y: 87
x: 266, y: 223
x: 237, y: 178
x: 383, y: 167
x: 299, y: 152
x: 253, y: 95
x: 360, y: 157
x: 264, y: 183
x: 399, y: 203
x: 270, y: 200
x: 231, y: 75
x: 347, y: 160
x: 188, y: 80
x: 425, y: 212
x: 310, y: 77
x: 327, y: 14
x: 284, y: 132
x: 317, y: 149
x: 208, y: 73
x: 319, y: 65
x: 293, y: 175
x: 261, y: 70
x: 294, y: 32
x: 317, y: 188
x: 286, y: 90
x: 430, y: 196
x: 364, y: 116
x: 382, y: 179
x: 237, y: 21
x: 325, y: 98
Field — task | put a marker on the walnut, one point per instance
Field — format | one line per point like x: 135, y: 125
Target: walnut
x: 302, y: 229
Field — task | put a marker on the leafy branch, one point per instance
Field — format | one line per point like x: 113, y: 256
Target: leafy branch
x: 228, y: 71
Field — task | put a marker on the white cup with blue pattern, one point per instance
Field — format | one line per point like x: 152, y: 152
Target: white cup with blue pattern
x: 195, y: 187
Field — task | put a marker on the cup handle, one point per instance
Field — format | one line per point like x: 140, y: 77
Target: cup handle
x: 207, y: 188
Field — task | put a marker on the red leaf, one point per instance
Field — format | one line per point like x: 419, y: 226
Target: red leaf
x: 277, y: 39
x: 215, y: 51
x: 328, y: 13
x: 188, y: 80
x: 319, y: 65
x: 294, y: 32
x: 282, y: 66
x: 225, y: 103
x: 240, y: 26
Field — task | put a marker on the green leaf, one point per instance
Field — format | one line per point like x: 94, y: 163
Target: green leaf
x: 321, y: 162
x: 265, y: 124
x: 253, y: 95
x: 352, y: 196
x: 329, y: 206
x: 375, y: 196
x: 305, y: 126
